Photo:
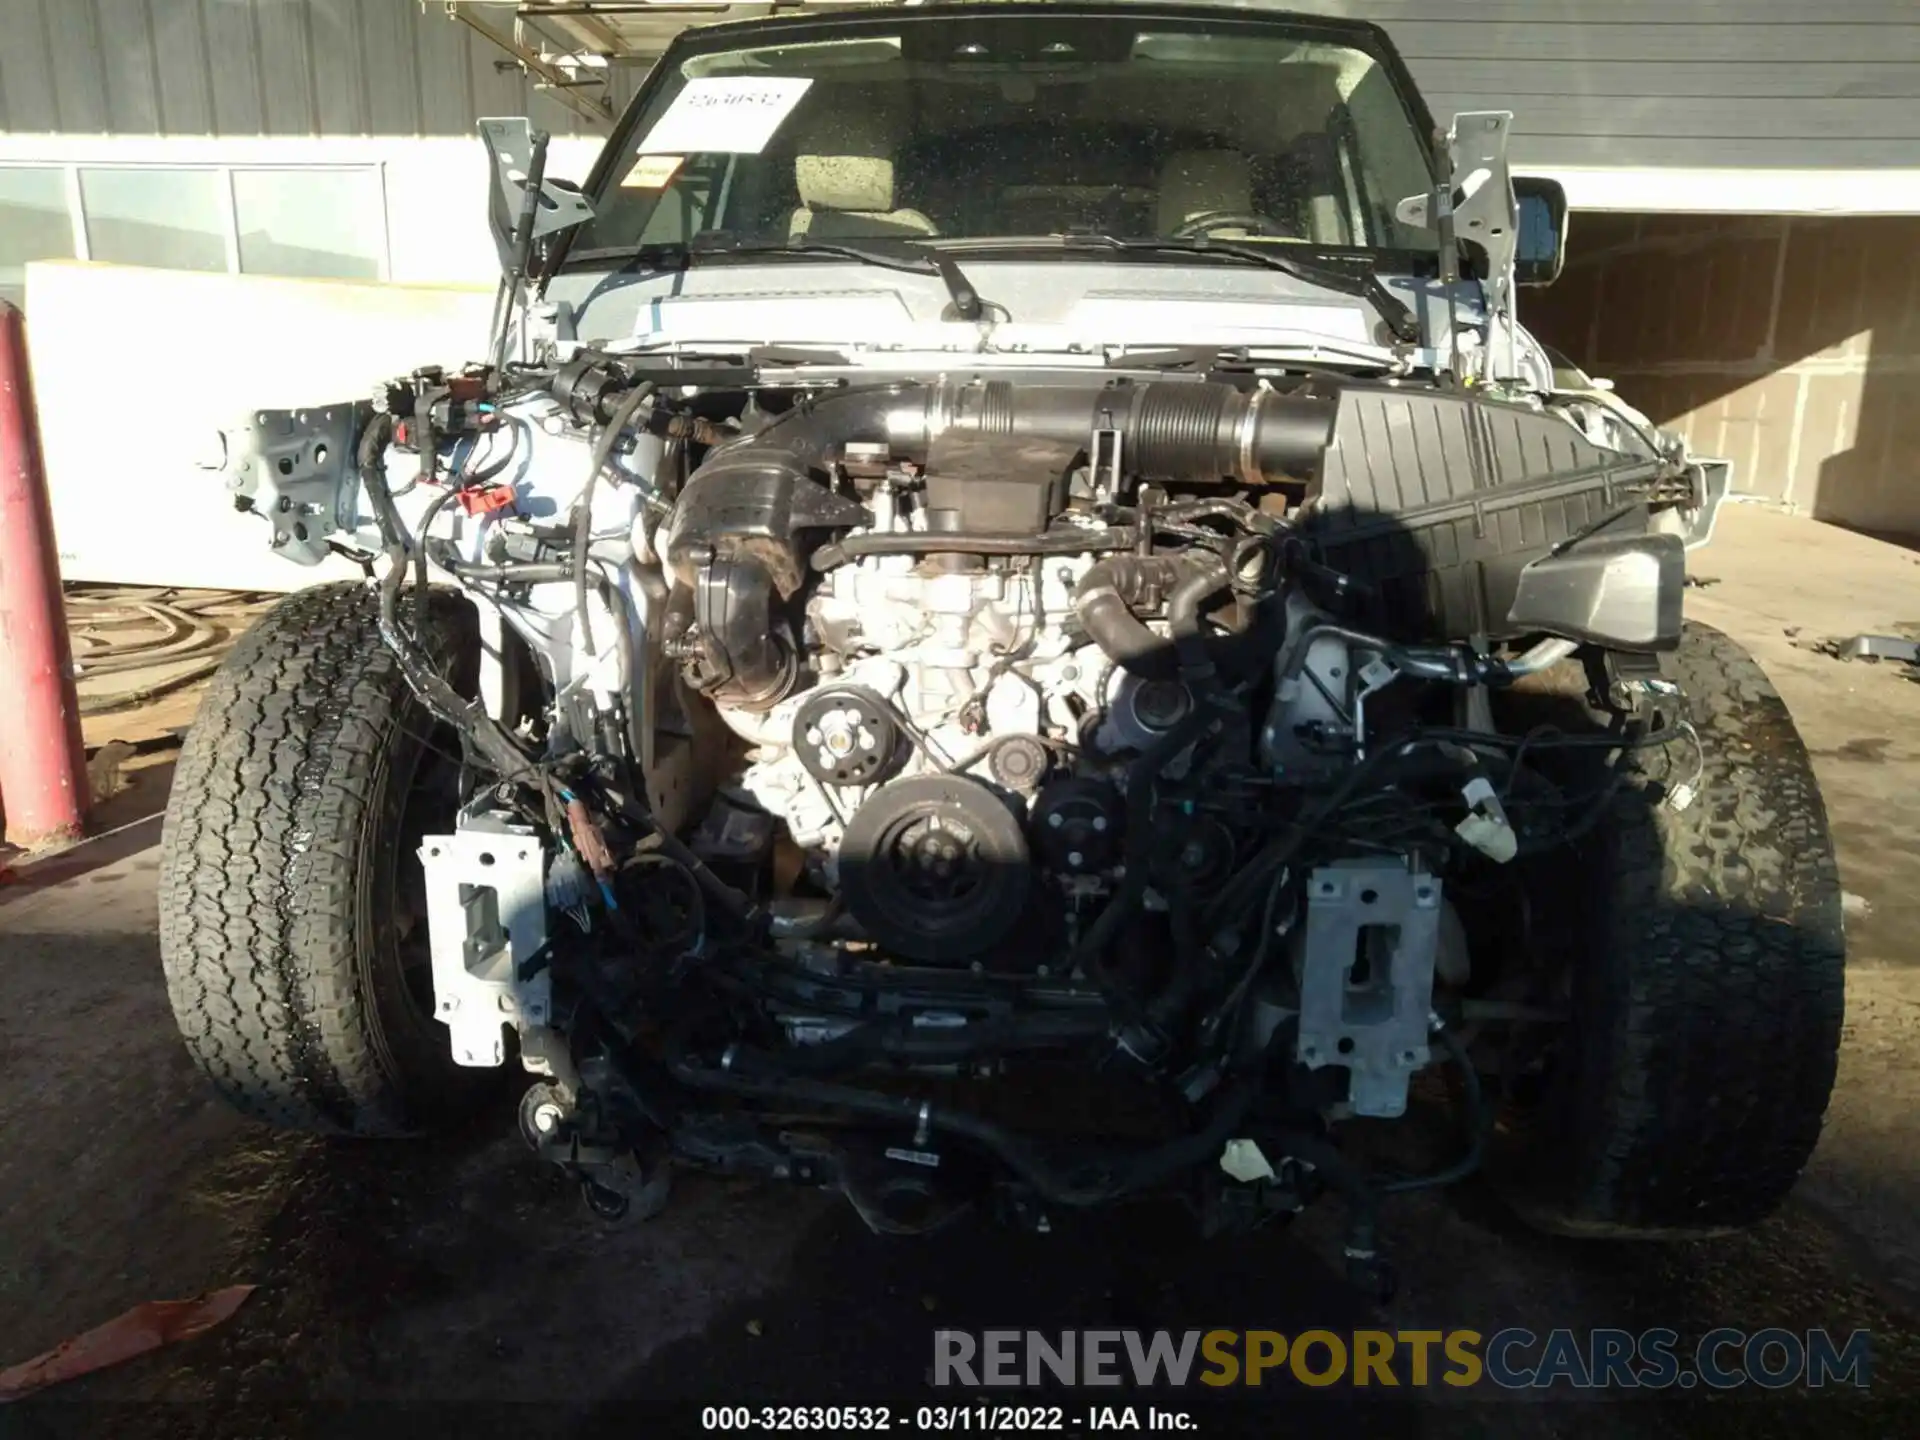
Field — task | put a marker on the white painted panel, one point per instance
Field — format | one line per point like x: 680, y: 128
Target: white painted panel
x: 141, y: 511
x: 1745, y: 192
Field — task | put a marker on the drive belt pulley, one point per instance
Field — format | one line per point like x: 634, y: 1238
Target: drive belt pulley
x: 848, y: 735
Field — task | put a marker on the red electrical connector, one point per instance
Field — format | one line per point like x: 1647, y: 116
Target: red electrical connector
x: 486, y: 502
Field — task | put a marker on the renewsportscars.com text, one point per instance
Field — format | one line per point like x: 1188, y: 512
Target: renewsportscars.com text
x: 1509, y: 1359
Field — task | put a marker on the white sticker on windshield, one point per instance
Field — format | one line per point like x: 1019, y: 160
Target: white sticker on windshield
x: 732, y: 113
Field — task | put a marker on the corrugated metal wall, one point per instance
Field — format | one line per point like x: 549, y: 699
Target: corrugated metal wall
x: 1674, y: 84
x: 258, y: 67
x: 1671, y: 84
x: 1666, y: 83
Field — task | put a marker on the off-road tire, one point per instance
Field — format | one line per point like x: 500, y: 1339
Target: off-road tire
x: 1707, y: 990
x: 279, y: 852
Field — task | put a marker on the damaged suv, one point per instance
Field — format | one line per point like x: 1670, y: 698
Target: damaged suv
x: 1011, y: 619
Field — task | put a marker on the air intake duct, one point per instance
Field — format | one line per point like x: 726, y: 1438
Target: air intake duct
x: 1182, y: 431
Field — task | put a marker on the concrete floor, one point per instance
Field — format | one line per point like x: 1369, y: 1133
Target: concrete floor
x: 456, y: 1273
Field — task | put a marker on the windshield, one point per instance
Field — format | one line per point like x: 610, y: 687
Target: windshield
x: 1019, y: 126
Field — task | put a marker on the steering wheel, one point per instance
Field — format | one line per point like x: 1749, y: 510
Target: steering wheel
x: 1195, y: 227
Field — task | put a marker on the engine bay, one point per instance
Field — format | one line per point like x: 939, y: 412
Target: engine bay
x: 849, y: 750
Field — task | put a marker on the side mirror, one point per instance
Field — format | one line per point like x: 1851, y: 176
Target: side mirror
x: 1540, y: 248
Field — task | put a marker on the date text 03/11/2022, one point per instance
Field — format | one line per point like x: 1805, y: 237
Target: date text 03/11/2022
x: 942, y: 1419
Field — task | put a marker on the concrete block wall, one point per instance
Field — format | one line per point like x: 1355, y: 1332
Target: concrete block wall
x: 1789, y: 344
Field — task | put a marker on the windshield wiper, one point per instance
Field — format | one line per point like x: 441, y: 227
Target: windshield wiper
x: 906, y: 255
x: 1363, y: 284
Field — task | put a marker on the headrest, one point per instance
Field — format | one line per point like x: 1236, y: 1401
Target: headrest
x: 844, y: 161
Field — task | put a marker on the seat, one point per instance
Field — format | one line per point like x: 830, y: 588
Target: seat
x: 1303, y: 200
x: 1204, y: 182
x: 843, y: 169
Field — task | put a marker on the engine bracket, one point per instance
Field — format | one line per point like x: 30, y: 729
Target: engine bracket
x: 1366, y: 977
x: 486, y: 920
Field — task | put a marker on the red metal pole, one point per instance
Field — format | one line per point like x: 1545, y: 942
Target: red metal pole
x: 43, y: 765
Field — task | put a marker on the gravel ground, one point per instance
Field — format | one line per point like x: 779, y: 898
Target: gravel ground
x: 454, y: 1284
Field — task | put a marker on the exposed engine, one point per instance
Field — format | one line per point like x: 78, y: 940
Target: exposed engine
x: 848, y: 733
x: 998, y: 619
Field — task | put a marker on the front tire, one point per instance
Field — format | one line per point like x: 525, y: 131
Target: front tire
x: 1707, y: 986
x: 292, y: 919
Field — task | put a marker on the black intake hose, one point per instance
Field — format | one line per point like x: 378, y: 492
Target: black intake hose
x: 1188, y: 431
x: 1107, y: 595
x: 1105, y: 599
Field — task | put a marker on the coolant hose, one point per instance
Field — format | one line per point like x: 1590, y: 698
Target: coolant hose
x: 1105, y: 598
x: 1104, y: 601
x: 1207, y: 576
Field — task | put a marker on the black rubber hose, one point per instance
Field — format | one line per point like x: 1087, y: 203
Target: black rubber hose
x: 583, y: 522
x: 1207, y: 576
x: 1257, y: 522
x: 1346, y: 1179
x: 750, y: 915
x: 1166, y: 1010
x: 935, y: 542
x: 520, y: 572
x: 1473, y: 1121
x: 427, y: 517
x: 1104, y: 601
x: 1089, y: 954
